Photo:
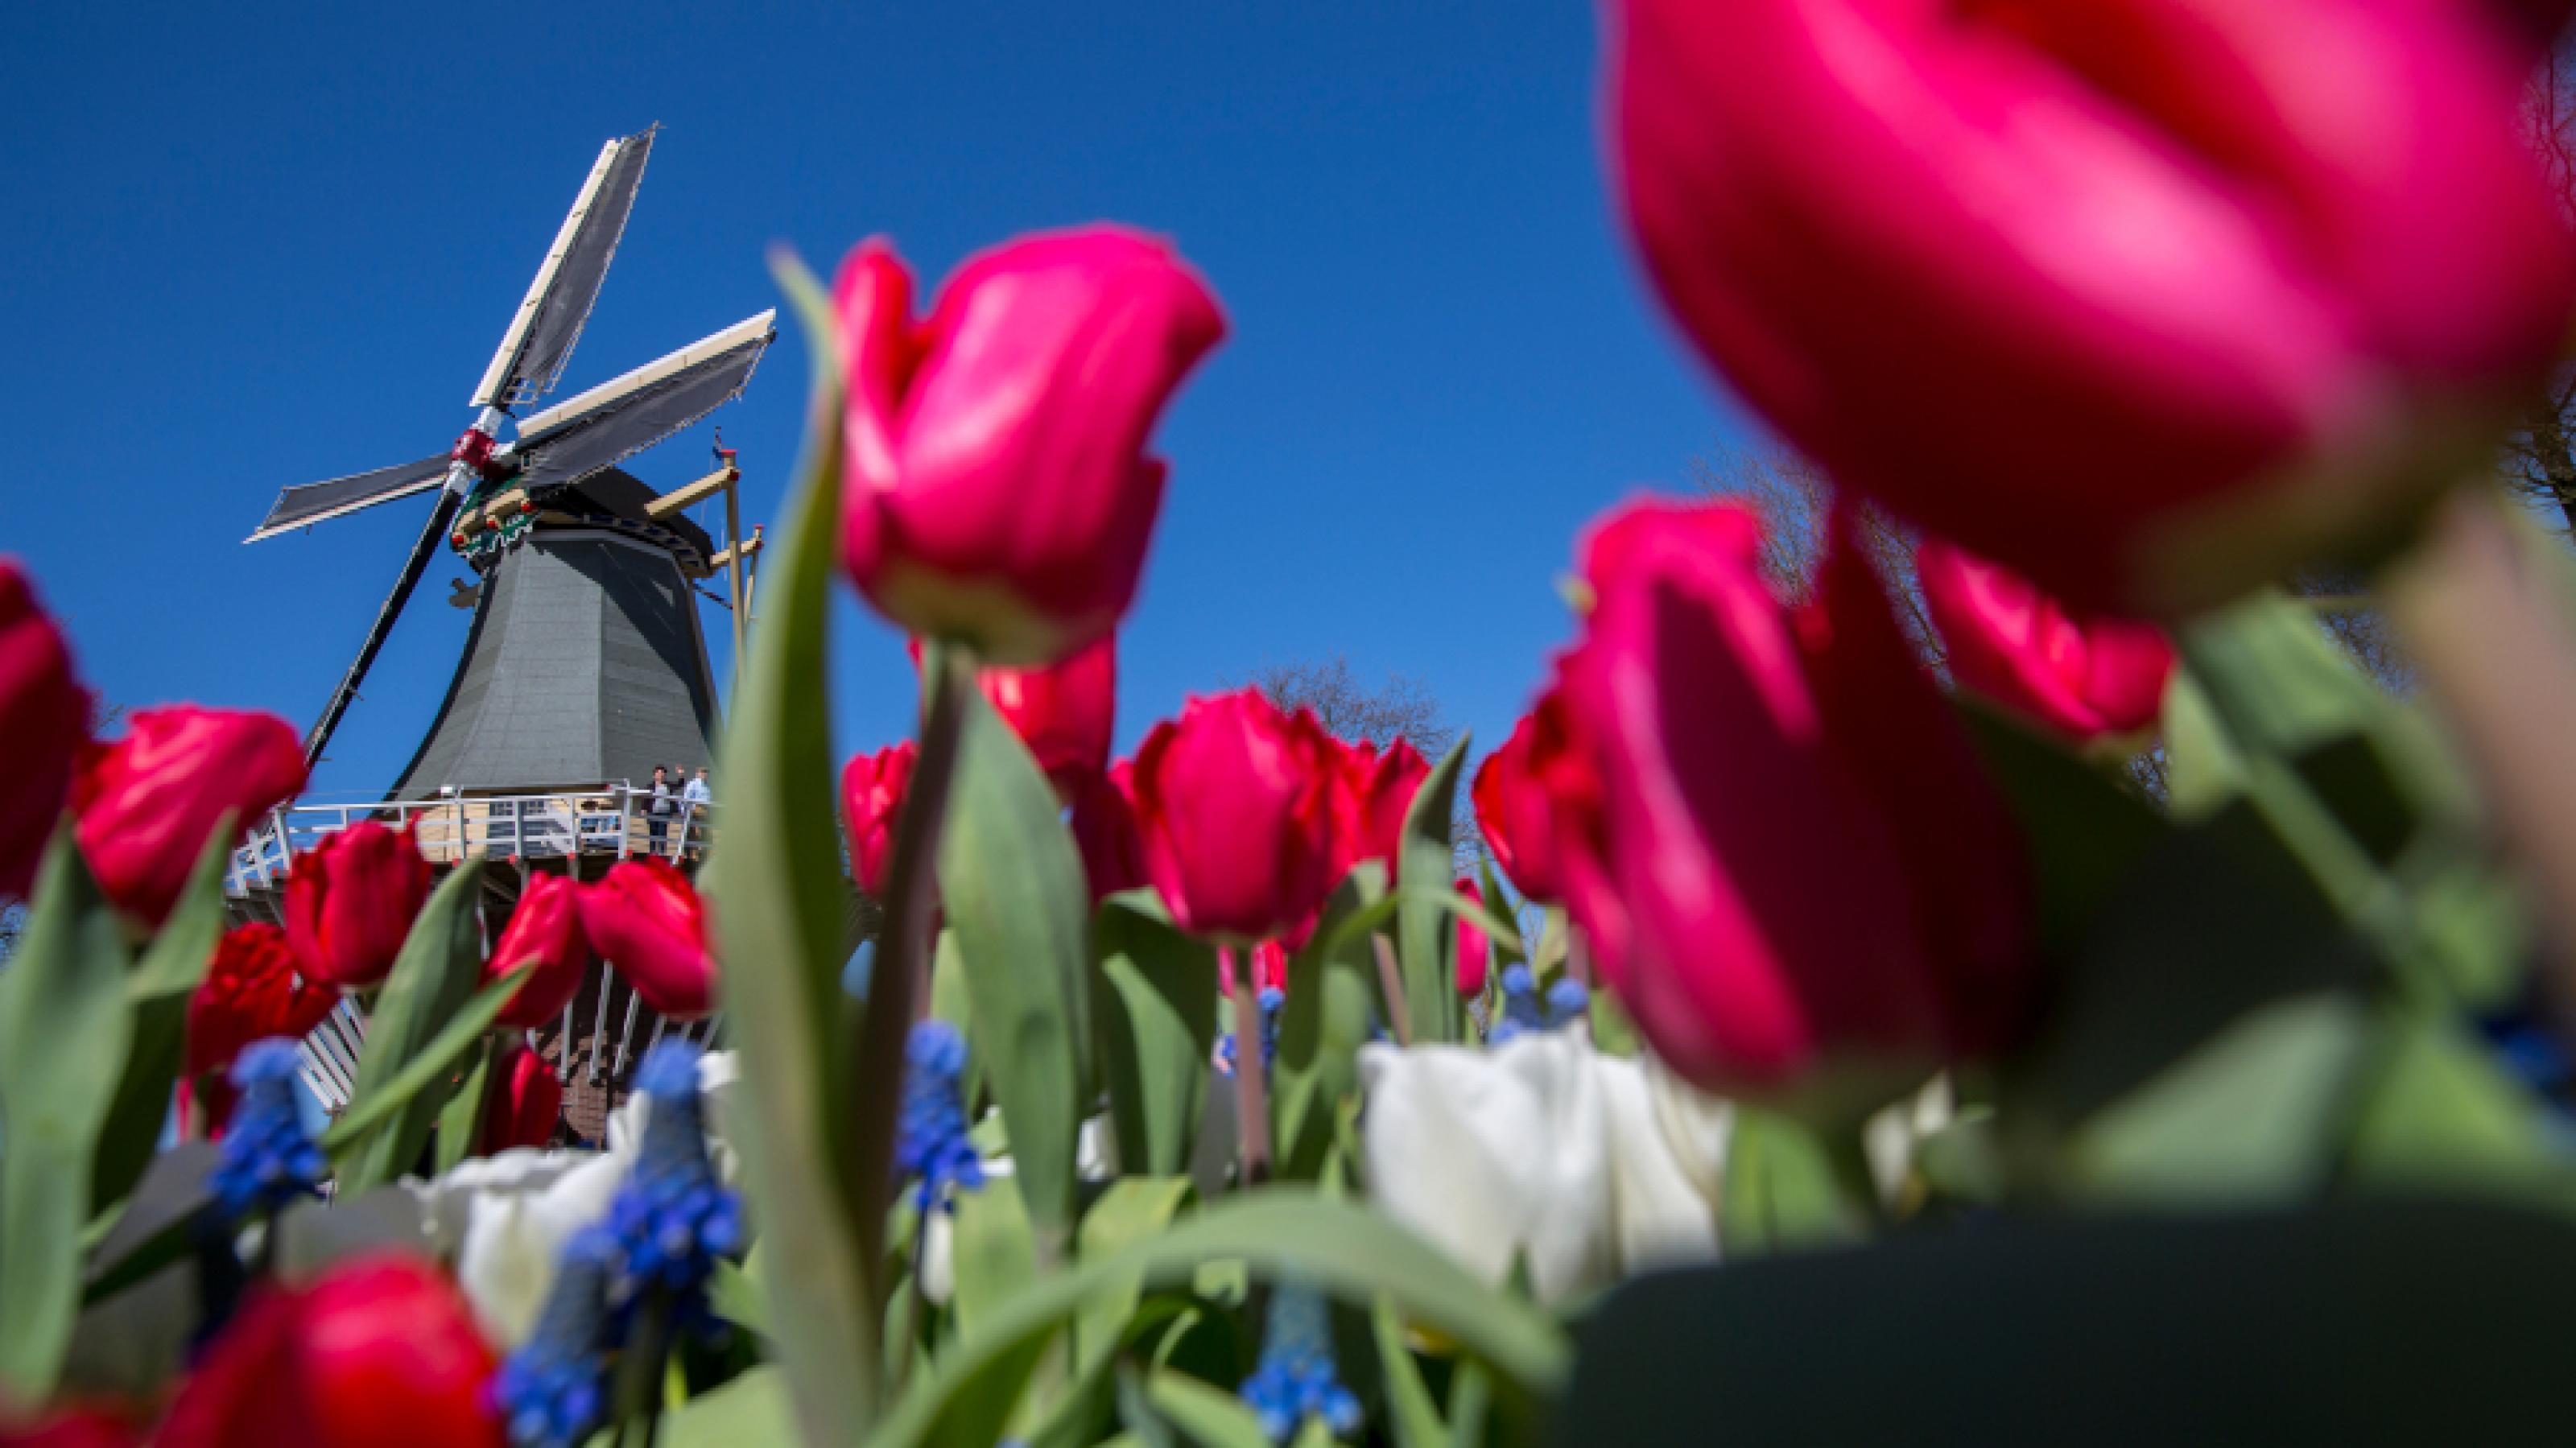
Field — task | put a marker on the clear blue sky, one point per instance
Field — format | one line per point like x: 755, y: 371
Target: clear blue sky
x: 250, y: 246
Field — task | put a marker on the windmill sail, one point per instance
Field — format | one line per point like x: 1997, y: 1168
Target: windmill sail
x: 313, y: 502
x: 617, y: 419
x: 549, y: 321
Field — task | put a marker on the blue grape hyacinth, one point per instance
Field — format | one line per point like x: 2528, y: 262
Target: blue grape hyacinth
x: 673, y: 1217
x: 930, y: 1131
x: 552, y: 1391
x: 267, y: 1158
x: 1524, y: 1009
x: 1296, y: 1378
x: 1272, y: 998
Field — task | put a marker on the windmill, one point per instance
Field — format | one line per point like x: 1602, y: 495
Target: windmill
x: 565, y: 454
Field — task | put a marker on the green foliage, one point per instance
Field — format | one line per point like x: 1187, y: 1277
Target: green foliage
x: 1331, y: 1007
x: 1156, y: 1004
x: 64, y: 1027
x: 1013, y: 890
x: 158, y: 992
x: 1427, y: 943
x: 779, y: 902
x: 1784, y: 1188
x: 414, y: 1037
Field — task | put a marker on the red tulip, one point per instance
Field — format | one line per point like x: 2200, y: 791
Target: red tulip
x: 646, y: 918
x: 1063, y: 712
x: 147, y: 801
x: 1795, y: 853
x: 1473, y: 950
x: 350, y: 901
x: 1104, y: 830
x: 1372, y: 790
x: 381, y: 1352
x: 2147, y: 299
x: 2084, y: 676
x: 44, y: 714
x: 871, y: 798
x: 75, y: 1427
x: 1236, y: 804
x: 1517, y: 792
x: 251, y: 993
x: 523, y: 1101
x: 999, y: 491
x: 545, y: 939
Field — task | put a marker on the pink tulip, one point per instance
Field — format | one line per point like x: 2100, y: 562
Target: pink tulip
x: 1796, y: 855
x: 44, y: 714
x: 1372, y: 790
x: 350, y: 902
x: 1236, y: 804
x: 544, y: 938
x: 1473, y: 949
x: 999, y: 490
x: 1520, y: 794
x: 1105, y: 831
x: 2085, y: 677
x: 645, y: 918
x: 522, y: 1103
x: 872, y: 788
x: 2147, y: 299
x: 148, y: 801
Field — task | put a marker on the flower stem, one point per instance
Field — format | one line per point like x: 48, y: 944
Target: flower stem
x: 898, y: 988
x: 2489, y: 627
x: 1251, y: 1109
x: 1390, y: 983
x: 912, y: 1300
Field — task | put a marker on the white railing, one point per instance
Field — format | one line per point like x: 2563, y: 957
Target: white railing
x: 604, y: 820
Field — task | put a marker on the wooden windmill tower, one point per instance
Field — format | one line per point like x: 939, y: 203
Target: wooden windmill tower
x: 585, y: 666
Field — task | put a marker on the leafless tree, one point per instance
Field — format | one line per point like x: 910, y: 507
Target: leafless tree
x: 2539, y: 461
x: 1401, y: 707
x: 1795, y: 496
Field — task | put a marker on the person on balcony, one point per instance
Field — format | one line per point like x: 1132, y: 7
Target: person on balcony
x: 657, y: 815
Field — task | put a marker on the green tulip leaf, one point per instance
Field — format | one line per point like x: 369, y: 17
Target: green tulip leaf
x: 1410, y: 1412
x: 1342, y: 1249
x: 1156, y: 995
x: 2440, y: 1113
x: 1782, y: 1190
x: 1332, y: 991
x: 781, y: 909
x: 432, y: 1064
x: 2084, y: 833
x: 433, y: 979
x: 163, y: 982
x: 752, y: 1409
x: 992, y: 1249
x: 1208, y: 1416
x: 462, y: 1121
x: 1013, y: 891
x: 1132, y: 1209
x: 1427, y: 943
x: 64, y: 1030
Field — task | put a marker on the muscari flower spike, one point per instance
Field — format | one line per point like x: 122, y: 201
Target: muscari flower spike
x: 1271, y: 999
x: 551, y: 1391
x: 672, y: 1218
x: 1524, y: 1009
x: 267, y: 1159
x: 1296, y: 1377
x: 930, y: 1131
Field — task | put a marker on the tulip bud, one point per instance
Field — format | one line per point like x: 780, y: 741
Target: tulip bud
x: 1795, y: 853
x: 999, y: 492
x: 1473, y: 949
x: 1236, y: 803
x: 1517, y: 797
x: 350, y: 902
x: 147, y: 801
x: 1064, y: 711
x: 2149, y: 300
x: 871, y: 799
x: 646, y: 918
x: 44, y: 714
x: 251, y: 993
x: 1372, y: 790
x: 2084, y: 676
x: 1104, y: 831
x: 544, y: 939
x: 381, y: 1352
x: 522, y: 1102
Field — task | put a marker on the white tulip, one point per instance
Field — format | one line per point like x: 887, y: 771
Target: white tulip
x: 1592, y: 1167
x: 504, y: 1219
